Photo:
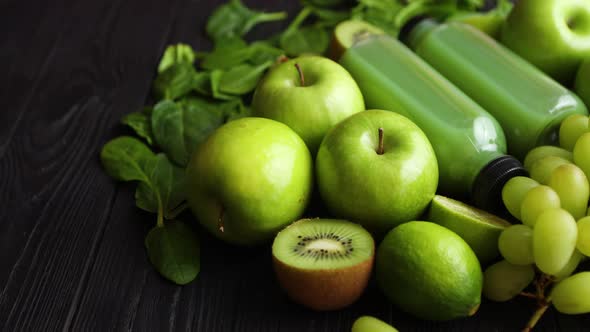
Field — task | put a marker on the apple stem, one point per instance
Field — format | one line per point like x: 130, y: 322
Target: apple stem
x: 380, y: 149
x: 301, y: 78
x: 220, y: 221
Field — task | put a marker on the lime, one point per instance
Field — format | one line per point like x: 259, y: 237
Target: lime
x: 478, y: 228
x: 429, y: 271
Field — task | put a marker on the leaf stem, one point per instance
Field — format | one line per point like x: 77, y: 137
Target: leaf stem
x: 269, y: 17
x: 301, y: 77
x: 380, y: 149
x: 298, y: 20
x: 160, y: 220
x: 177, y: 210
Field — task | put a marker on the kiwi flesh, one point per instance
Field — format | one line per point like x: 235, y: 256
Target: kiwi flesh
x: 348, y: 33
x: 324, y: 264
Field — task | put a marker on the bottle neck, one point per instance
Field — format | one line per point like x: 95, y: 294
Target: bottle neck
x: 416, y: 31
x: 487, y: 187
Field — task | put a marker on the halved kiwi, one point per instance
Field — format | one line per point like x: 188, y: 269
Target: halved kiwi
x: 348, y: 33
x: 324, y: 264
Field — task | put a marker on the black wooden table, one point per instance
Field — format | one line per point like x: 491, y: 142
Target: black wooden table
x: 71, y: 240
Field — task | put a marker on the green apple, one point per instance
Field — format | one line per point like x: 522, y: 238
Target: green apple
x: 310, y: 94
x: 582, y: 85
x: 378, y: 169
x: 249, y: 179
x: 554, y: 35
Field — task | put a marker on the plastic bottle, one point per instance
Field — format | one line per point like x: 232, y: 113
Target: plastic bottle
x: 528, y: 104
x: 469, y: 143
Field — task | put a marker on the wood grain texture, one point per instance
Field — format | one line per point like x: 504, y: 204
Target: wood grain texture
x: 72, y: 255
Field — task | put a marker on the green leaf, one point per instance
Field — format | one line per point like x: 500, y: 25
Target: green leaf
x: 327, y: 18
x: 202, y: 83
x: 381, y: 13
x: 439, y: 10
x: 309, y: 39
x: 140, y: 122
x: 227, y: 53
x: 179, y: 127
x: 176, y: 54
x: 215, y: 80
x: 263, y: 51
x: 176, y: 81
x: 240, y: 112
x: 124, y: 159
x: 167, y: 185
x: 174, y: 251
x: 234, y: 19
x: 242, y: 79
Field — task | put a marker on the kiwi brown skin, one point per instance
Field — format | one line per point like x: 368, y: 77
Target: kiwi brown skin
x: 325, y: 290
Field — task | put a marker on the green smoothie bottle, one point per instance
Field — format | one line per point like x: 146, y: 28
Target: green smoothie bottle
x: 528, y: 104
x: 469, y: 143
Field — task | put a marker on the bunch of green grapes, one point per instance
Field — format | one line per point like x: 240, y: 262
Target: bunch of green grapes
x: 554, y: 236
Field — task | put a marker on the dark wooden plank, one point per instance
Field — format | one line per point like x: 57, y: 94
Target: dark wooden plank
x: 148, y: 301
x: 58, y: 197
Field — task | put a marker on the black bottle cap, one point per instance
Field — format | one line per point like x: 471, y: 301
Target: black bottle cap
x: 487, y: 188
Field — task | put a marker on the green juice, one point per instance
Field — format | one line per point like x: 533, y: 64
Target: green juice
x: 469, y: 143
x: 527, y: 103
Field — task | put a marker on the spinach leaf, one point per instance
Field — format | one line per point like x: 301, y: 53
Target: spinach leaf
x: 174, y: 251
x: 263, y: 51
x: 140, y: 122
x: 215, y: 80
x: 327, y: 18
x: 124, y: 158
x: 228, y: 52
x: 179, y: 127
x: 176, y: 54
x: 436, y: 9
x: 309, y: 39
x: 166, y: 187
x: 381, y: 13
x: 242, y: 79
x: 176, y: 81
x: 238, y: 112
x: 202, y: 84
x: 235, y: 19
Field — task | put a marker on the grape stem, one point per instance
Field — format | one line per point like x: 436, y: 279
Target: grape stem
x: 529, y: 295
x: 543, y: 302
x: 537, y: 315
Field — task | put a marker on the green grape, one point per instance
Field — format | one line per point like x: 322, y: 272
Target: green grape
x: 571, y: 185
x: 513, y: 192
x: 570, y: 267
x: 554, y: 240
x: 536, y: 201
x: 503, y: 281
x: 584, y: 236
x: 544, y: 151
x: 516, y: 245
x: 541, y: 169
x: 572, y: 295
x: 582, y: 153
x: 571, y: 129
x: 372, y: 324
